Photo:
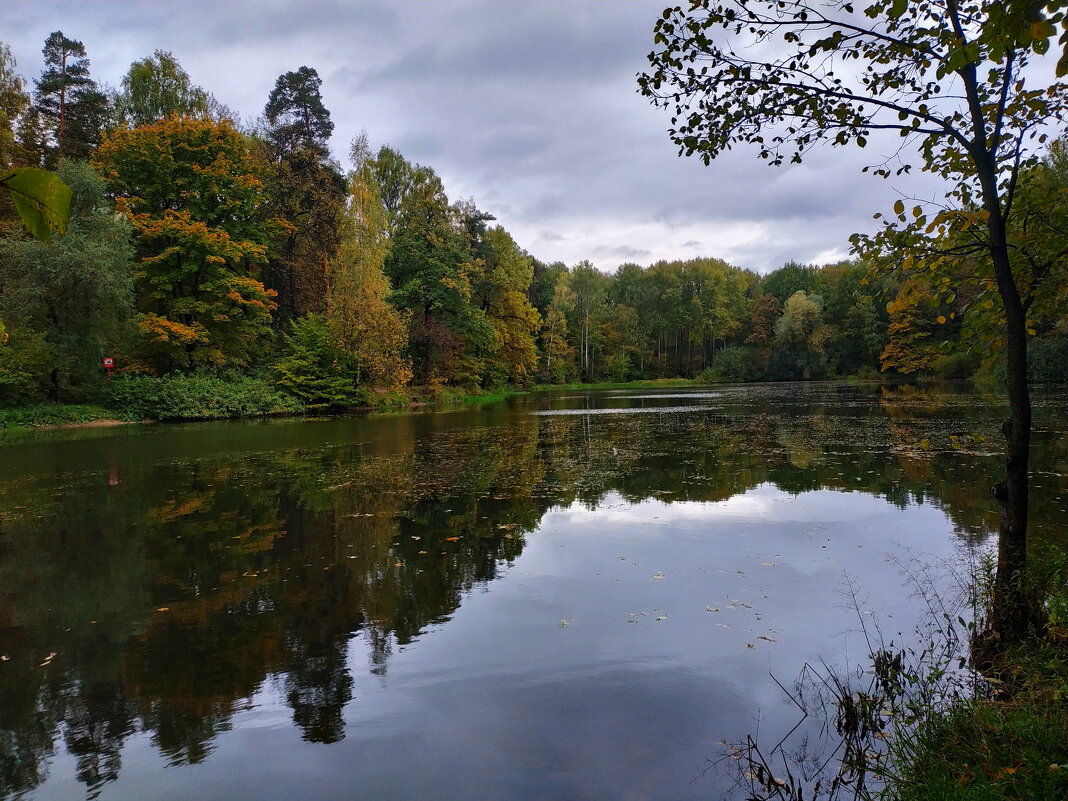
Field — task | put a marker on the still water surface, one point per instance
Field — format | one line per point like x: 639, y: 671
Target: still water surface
x: 561, y: 596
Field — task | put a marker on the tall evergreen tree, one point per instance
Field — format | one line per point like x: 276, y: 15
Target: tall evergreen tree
x: 308, y: 191
x: 69, y: 100
x: 296, y: 116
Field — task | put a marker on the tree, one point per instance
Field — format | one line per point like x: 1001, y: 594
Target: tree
x: 785, y: 75
x: 362, y: 322
x: 69, y: 100
x: 13, y: 103
x: 430, y: 267
x: 78, y: 292
x: 156, y: 87
x: 308, y: 191
x: 296, y: 116
x: 394, y: 177
x: 501, y: 295
x: 195, y: 193
x: 801, y: 336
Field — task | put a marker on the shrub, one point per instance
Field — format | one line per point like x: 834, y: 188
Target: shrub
x: 314, y: 370
x: 729, y: 364
x: 197, y: 397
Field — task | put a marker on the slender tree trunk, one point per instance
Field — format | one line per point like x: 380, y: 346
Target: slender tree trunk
x: 1010, y: 610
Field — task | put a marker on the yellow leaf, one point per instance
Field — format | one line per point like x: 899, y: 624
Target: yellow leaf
x: 941, y: 319
x: 899, y: 207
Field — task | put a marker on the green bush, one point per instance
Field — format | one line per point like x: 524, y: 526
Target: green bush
x: 197, y: 397
x: 954, y: 366
x: 1047, y: 359
x: 51, y: 415
x: 314, y: 370
x: 728, y: 365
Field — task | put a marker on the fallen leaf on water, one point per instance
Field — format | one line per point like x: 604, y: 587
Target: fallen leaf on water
x: 399, y: 564
x: 711, y: 608
x: 768, y: 564
x: 658, y: 576
x: 452, y: 539
x: 164, y: 609
x: 563, y: 624
x: 749, y: 645
x: 5, y: 658
x: 769, y: 639
x: 661, y: 617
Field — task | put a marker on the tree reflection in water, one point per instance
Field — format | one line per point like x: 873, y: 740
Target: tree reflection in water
x: 172, y: 595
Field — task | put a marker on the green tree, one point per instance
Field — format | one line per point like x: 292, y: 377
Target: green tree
x: 785, y: 75
x: 194, y: 191
x: 76, y: 293
x: 156, y: 87
x: 314, y: 369
x: 296, y: 116
x: 431, y: 267
x: 801, y: 337
x: 13, y: 103
x: 307, y: 190
x: 69, y: 101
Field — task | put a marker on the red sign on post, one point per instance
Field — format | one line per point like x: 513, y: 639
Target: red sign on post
x: 108, y: 362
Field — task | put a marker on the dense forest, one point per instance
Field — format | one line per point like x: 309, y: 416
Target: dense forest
x: 208, y: 256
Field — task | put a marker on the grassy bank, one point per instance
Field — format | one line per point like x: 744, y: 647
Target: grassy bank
x: 1013, y: 743
x: 46, y: 415
x: 652, y: 383
x: 199, y: 397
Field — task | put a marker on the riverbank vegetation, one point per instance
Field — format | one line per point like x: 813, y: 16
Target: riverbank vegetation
x: 232, y: 269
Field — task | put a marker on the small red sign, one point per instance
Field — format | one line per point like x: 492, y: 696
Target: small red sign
x: 109, y: 362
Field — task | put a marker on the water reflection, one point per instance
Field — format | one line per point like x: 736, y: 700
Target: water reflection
x: 158, y: 586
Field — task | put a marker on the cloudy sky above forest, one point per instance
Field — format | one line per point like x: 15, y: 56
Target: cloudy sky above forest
x: 530, y: 108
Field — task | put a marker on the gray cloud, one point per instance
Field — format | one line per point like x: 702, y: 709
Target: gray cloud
x: 529, y: 108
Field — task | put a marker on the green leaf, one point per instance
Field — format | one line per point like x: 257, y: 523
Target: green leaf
x: 41, y: 199
x: 898, y: 8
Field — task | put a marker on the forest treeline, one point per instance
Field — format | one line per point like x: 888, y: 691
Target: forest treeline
x: 210, y: 256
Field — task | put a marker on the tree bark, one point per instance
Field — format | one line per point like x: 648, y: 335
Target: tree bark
x: 1010, y: 610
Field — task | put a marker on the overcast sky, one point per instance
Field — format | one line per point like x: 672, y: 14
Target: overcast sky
x: 531, y: 108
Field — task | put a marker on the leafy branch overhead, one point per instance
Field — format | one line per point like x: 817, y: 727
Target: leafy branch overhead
x: 41, y: 199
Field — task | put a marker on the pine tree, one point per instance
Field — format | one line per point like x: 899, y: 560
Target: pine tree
x: 68, y: 100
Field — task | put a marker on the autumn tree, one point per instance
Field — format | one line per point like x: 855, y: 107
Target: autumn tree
x: 69, y: 100
x: 363, y: 324
x: 194, y: 191
x: 501, y: 295
x: 786, y: 75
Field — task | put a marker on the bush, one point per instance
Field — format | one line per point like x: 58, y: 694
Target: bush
x: 954, y: 366
x: 314, y: 370
x: 197, y: 397
x: 728, y: 365
x: 1047, y: 359
x: 50, y: 415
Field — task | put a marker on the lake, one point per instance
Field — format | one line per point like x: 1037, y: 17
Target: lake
x: 566, y: 595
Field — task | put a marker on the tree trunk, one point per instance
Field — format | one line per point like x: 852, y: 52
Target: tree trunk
x: 1010, y: 612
